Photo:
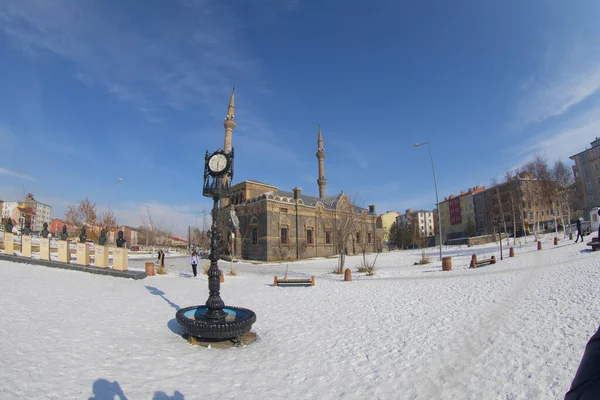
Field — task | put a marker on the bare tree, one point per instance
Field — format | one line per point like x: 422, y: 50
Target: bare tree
x: 364, y: 232
x: 501, y: 207
x: 282, y: 252
x: 81, y: 214
x: 539, y: 191
x: 514, y: 201
x: 344, y: 230
x: 420, y: 240
x: 156, y: 233
x: 85, y: 214
x: 199, y: 238
x: 149, y: 227
x: 564, y: 179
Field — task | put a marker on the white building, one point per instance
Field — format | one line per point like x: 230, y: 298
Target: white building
x: 42, y: 212
x: 421, y: 218
x: 8, y: 209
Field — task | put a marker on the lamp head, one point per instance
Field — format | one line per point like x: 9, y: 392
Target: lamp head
x: 416, y: 144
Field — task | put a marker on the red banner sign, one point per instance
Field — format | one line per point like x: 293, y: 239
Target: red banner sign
x: 454, y: 207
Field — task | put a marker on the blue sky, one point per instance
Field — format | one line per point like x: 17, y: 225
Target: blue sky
x: 93, y: 91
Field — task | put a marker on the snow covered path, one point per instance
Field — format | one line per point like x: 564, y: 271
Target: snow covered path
x: 515, y: 330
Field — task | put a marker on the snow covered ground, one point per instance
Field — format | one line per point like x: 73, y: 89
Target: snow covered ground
x: 514, y: 330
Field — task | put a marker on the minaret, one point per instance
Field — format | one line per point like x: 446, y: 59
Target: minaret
x: 229, y: 122
x: 322, y: 182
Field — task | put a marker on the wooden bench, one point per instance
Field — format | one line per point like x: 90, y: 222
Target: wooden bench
x: 293, y: 281
x: 595, y: 243
x: 475, y: 262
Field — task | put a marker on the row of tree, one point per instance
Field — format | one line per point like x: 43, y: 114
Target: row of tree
x: 536, y: 187
x: 152, y: 232
x: 85, y: 213
x: 404, y: 235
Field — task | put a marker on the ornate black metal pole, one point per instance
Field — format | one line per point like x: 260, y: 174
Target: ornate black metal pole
x: 214, y: 320
x: 214, y: 303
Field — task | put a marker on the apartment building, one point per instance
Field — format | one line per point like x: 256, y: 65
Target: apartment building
x: 456, y: 211
x: 517, y: 204
x: 422, y: 219
x: 41, y: 214
x: 387, y: 220
x: 587, y: 176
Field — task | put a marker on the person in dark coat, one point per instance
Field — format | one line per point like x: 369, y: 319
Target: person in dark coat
x: 579, y: 234
x: 586, y: 384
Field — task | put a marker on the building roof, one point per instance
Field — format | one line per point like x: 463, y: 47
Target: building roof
x: 594, y: 144
x: 257, y: 182
x: 329, y: 202
x: 417, y: 212
x: 471, y: 191
x: 27, y: 210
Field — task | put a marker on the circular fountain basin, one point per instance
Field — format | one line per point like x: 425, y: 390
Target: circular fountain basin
x: 195, y: 323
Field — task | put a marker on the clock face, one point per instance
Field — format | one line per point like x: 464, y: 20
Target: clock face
x: 217, y: 163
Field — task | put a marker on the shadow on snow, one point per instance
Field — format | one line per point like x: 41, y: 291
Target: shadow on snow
x: 103, y: 389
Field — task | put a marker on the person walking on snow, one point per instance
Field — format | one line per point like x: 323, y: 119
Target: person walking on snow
x: 579, y: 234
x: 194, y: 261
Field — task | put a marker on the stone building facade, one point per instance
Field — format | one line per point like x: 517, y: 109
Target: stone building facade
x: 281, y: 225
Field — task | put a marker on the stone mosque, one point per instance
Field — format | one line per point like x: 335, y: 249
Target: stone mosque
x: 280, y: 225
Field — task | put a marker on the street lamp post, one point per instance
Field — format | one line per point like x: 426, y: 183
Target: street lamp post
x: 110, y: 194
x: 496, y: 223
x: 203, y: 230
x: 436, y: 194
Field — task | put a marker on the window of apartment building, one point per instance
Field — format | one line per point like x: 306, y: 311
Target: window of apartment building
x: 283, y: 210
x: 309, y: 236
x: 284, y: 235
x: 327, y: 236
x: 357, y: 237
x: 530, y: 215
x: 254, y: 235
x: 369, y: 239
x: 596, y: 166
